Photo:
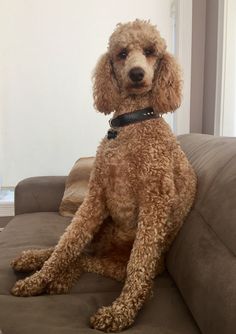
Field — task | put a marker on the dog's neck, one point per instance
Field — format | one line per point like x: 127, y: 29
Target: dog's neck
x: 132, y: 103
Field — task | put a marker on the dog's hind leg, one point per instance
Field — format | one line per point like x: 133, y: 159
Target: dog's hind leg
x: 31, y: 260
x: 104, y: 266
x: 91, y: 264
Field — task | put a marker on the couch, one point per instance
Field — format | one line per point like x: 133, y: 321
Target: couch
x: 197, y: 292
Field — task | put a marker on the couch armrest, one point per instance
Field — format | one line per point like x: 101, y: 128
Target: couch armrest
x: 202, y: 258
x: 39, y: 194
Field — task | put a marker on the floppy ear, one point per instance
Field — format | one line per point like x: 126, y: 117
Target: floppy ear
x: 105, y: 89
x: 167, y: 85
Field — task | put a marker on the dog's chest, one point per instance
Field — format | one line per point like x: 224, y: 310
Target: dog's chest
x: 120, y: 176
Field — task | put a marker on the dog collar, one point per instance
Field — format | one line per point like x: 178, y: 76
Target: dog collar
x: 133, y: 117
x: 130, y: 118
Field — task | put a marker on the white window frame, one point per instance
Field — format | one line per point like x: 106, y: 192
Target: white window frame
x: 222, y: 124
x: 220, y: 70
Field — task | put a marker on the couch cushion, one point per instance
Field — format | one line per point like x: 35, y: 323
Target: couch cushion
x: 202, y: 258
x: 76, y: 186
x: 165, y: 313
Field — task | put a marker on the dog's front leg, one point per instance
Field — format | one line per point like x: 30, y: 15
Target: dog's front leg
x: 87, y: 220
x: 147, y: 249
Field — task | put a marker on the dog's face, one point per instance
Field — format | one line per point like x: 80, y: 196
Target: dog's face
x: 137, y: 63
x: 135, y: 50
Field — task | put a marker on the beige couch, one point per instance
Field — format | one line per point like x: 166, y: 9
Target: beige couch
x: 197, y: 293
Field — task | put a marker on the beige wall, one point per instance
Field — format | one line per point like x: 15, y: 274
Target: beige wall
x: 210, y: 66
x: 198, y: 58
x: 48, y: 49
x: 204, y: 65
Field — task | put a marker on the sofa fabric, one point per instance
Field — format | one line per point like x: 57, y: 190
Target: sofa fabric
x: 165, y: 313
x: 36, y: 194
x: 202, y: 258
x: 196, y: 295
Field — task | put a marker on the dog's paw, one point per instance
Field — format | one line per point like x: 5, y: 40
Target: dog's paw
x: 30, y: 286
x: 111, y: 319
x: 26, y: 262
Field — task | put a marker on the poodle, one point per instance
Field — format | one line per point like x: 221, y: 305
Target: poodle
x: 141, y: 186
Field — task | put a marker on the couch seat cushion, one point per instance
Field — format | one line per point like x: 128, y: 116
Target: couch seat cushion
x: 165, y: 313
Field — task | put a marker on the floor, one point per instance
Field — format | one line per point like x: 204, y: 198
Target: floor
x: 6, y: 202
x: 6, y: 206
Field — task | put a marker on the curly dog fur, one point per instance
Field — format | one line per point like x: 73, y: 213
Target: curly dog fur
x: 140, y: 190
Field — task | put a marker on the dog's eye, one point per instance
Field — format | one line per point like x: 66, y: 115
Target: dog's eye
x: 123, y: 54
x: 148, y: 52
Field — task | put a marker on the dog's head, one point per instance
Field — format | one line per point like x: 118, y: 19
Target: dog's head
x: 137, y: 63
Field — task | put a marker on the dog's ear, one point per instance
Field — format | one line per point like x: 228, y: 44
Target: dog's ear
x: 105, y: 89
x: 167, y: 85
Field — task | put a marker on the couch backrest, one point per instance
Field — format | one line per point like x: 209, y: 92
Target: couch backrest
x: 202, y: 258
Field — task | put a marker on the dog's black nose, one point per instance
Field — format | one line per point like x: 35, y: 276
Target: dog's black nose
x: 136, y: 74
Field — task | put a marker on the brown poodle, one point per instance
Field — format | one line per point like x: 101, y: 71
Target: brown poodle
x: 141, y: 186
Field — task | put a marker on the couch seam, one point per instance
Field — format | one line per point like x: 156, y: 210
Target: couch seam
x: 213, y: 231
x: 191, y: 154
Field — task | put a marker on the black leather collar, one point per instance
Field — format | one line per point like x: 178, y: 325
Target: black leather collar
x: 133, y: 117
